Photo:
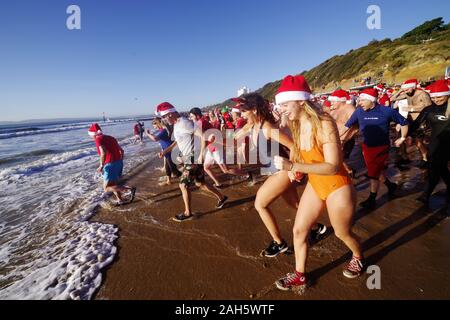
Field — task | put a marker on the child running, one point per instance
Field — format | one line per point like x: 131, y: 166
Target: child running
x: 316, y: 152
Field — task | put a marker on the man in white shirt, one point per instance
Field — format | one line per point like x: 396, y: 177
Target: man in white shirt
x: 193, y: 172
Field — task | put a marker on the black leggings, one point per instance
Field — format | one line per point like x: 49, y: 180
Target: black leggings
x: 171, y: 168
x: 437, y: 169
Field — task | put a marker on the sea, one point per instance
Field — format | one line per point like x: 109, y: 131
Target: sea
x: 49, y: 190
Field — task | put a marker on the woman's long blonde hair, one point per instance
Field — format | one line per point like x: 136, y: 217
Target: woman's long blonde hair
x: 315, y: 115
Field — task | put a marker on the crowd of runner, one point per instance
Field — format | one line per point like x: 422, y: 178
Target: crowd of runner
x: 308, y: 139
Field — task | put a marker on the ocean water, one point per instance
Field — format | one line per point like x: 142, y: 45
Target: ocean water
x: 50, y: 188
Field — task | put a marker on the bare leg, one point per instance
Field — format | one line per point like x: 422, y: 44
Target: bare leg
x: 422, y: 148
x: 272, y: 188
x: 341, y: 208
x: 236, y: 172
x: 309, y: 210
x: 208, y: 188
x: 207, y: 168
x: 186, y: 193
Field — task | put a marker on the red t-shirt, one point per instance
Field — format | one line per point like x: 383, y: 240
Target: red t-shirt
x: 136, y: 129
x: 111, y: 146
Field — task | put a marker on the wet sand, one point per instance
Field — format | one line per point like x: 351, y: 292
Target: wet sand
x: 217, y: 255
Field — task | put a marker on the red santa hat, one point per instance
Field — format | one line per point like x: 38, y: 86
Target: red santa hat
x: 293, y: 89
x: 379, y: 87
x: 165, y: 108
x: 369, y: 94
x: 94, y: 130
x: 340, y: 96
x: 410, y: 84
x: 439, y: 89
x: 236, y: 108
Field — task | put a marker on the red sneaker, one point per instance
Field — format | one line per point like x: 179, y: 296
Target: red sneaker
x: 354, y: 268
x: 292, y: 281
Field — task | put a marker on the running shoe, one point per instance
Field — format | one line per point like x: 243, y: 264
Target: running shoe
x: 182, y: 217
x: 221, y: 203
x: 275, y: 249
x: 370, y: 203
x: 392, y: 187
x: 354, y: 268
x: 317, y: 232
x: 292, y: 281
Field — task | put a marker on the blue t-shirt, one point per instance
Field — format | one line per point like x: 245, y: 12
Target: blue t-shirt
x: 163, y: 139
x: 374, y: 124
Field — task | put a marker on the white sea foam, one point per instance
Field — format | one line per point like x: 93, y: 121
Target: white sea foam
x: 48, y: 248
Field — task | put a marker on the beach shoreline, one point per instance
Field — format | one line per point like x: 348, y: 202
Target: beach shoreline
x: 216, y: 256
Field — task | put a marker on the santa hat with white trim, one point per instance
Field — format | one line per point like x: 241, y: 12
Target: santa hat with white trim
x: 379, y: 87
x: 165, y: 108
x: 439, y: 89
x: 293, y: 89
x: 340, y: 96
x: 370, y: 94
x: 410, y: 84
x: 95, y: 130
x: 236, y: 108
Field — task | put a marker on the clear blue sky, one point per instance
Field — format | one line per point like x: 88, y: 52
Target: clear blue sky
x: 132, y: 54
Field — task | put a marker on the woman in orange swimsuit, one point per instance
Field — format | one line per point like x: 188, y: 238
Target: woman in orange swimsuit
x: 317, y: 152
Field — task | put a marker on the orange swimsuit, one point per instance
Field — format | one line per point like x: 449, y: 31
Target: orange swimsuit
x: 322, y: 184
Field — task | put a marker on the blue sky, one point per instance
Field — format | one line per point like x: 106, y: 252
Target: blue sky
x: 131, y: 55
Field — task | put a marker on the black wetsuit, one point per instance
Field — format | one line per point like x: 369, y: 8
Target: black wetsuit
x: 439, y: 147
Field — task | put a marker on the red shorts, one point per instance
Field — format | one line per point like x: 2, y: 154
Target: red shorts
x: 375, y: 159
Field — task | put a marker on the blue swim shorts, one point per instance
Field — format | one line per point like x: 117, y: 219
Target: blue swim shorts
x: 113, y: 171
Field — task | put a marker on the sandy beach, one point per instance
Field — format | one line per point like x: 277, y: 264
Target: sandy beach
x: 217, y: 255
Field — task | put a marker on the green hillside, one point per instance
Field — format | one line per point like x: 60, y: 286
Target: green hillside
x: 422, y: 53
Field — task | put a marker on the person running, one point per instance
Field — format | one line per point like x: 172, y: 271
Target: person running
x: 317, y: 153
x: 262, y: 124
x: 239, y: 122
x: 136, y: 132
x: 341, y: 110
x: 416, y: 100
x: 213, y: 154
x: 193, y: 173
x: 437, y: 118
x: 374, y: 123
x: 162, y: 137
x: 111, y: 164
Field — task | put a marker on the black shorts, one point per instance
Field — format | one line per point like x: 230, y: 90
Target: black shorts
x: 347, y: 148
x: 192, y: 174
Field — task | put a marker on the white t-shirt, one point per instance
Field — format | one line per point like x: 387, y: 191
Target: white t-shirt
x: 183, y: 132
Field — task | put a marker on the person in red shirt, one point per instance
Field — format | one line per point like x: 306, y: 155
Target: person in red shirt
x: 213, y: 154
x: 111, y: 164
